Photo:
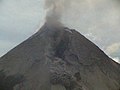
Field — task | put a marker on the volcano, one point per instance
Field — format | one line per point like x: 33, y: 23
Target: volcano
x: 58, y: 58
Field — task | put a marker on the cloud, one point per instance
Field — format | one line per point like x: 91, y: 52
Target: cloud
x: 92, y: 37
x: 113, y: 48
x: 113, y: 51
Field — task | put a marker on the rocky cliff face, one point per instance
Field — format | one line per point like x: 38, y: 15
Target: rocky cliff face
x: 58, y: 59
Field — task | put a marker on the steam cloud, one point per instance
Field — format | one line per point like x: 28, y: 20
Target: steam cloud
x: 55, y: 10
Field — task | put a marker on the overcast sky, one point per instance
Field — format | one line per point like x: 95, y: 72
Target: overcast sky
x: 98, y: 20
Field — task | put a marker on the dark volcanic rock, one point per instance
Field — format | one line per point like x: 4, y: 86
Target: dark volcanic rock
x: 58, y: 59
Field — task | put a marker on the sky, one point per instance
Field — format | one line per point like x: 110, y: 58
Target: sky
x: 98, y: 20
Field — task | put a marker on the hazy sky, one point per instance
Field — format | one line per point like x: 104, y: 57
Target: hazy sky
x: 98, y: 20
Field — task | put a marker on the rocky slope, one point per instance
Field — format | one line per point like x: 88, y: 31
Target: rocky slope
x: 58, y: 58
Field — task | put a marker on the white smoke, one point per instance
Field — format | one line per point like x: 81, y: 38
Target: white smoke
x: 54, y: 9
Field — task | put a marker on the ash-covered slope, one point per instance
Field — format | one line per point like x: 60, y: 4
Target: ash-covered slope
x: 58, y: 58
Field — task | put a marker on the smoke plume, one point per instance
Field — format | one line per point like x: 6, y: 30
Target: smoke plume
x: 55, y: 10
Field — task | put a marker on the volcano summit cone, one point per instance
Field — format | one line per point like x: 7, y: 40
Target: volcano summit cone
x: 58, y: 59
